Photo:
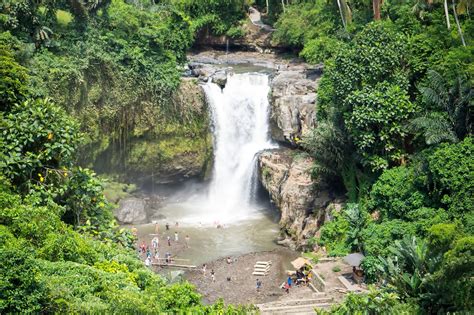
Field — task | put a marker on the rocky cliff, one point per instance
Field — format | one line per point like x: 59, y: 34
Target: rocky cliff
x: 305, y: 203
x: 293, y: 101
x: 171, y: 147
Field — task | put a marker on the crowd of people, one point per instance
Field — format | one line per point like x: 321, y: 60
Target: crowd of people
x: 151, y: 252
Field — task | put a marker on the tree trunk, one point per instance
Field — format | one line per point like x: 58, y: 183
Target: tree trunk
x: 446, y: 13
x: 458, y: 25
x: 268, y: 7
x: 342, y: 14
x: 283, y: 5
x: 376, y: 8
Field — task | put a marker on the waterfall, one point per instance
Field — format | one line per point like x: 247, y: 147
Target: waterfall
x: 240, y: 123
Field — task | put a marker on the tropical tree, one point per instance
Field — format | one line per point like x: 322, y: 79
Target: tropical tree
x: 376, y: 5
x: 447, y: 115
x: 408, y: 266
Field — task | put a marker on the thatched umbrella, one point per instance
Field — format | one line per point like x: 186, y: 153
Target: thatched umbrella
x: 300, y: 262
x: 354, y: 259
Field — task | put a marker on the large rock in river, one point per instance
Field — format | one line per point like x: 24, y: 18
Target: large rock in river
x: 131, y: 211
x: 305, y: 204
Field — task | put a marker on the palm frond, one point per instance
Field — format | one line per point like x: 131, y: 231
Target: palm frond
x: 434, y: 127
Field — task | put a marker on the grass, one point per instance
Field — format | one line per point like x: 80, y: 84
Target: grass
x: 336, y: 268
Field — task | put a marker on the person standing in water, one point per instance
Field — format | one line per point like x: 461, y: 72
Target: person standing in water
x: 204, y: 266
x: 213, y: 275
x: 157, y: 229
x: 186, y: 239
x: 168, y: 238
x: 155, y: 242
x: 167, y: 226
x: 176, y: 236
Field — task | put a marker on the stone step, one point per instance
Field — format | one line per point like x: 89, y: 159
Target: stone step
x: 346, y: 283
x: 262, y: 266
x: 300, y: 302
x: 294, y: 308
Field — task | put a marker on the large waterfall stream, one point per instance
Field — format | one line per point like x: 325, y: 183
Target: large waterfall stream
x: 240, y: 116
x: 240, y: 128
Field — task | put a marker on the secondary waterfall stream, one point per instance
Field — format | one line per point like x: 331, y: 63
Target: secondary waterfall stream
x: 240, y: 116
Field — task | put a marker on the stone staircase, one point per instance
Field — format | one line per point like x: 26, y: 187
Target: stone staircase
x: 304, y: 304
x: 261, y: 268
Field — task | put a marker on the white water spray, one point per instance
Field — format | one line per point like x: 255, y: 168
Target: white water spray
x: 240, y: 115
x: 240, y: 125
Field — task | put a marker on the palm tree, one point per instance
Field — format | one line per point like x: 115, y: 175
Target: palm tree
x: 409, y: 265
x: 448, y: 113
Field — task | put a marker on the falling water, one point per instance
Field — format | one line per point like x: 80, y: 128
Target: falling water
x: 240, y: 116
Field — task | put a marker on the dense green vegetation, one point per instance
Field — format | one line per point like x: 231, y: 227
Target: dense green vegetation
x: 395, y: 128
x: 75, y: 74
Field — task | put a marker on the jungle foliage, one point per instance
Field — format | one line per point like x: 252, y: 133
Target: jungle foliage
x: 394, y: 125
x: 73, y: 72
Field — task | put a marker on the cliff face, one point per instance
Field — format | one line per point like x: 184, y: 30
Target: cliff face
x: 293, y: 101
x: 167, y: 150
x: 305, y: 204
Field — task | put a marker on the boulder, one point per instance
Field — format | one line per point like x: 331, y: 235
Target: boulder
x: 220, y: 78
x: 131, y: 211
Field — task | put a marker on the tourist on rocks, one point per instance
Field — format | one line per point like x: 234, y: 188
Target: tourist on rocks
x: 229, y: 260
x: 289, y: 281
x: 168, y: 238
x: 134, y: 231
x: 157, y: 256
x: 167, y: 226
x: 176, y: 236
x: 186, y: 240
x: 168, y: 257
x: 148, y: 262
x: 204, y: 266
x: 287, y: 288
x: 213, y: 275
x: 259, y: 285
x: 157, y: 229
x: 148, y: 253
